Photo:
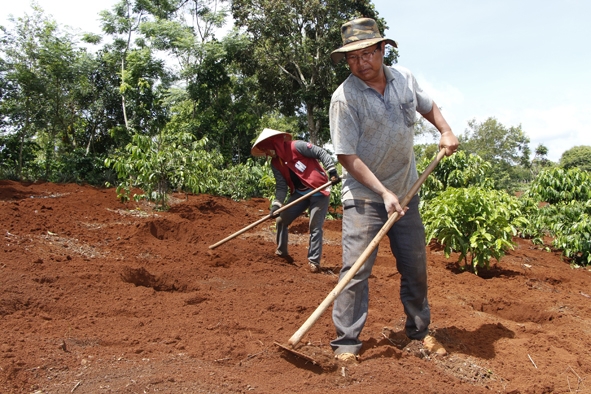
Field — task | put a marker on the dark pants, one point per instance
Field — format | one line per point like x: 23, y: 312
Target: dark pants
x: 361, y: 223
x: 318, y: 207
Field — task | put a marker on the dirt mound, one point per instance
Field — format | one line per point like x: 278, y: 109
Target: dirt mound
x: 99, y: 296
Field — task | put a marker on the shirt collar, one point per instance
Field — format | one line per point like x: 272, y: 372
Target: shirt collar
x: 389, y: 74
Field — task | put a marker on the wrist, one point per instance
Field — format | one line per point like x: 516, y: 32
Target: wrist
x: 386, y: 195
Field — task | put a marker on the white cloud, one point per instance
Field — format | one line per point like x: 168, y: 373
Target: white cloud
x: 447, y: 97
x: 444, y: 94
x: 558, y: 128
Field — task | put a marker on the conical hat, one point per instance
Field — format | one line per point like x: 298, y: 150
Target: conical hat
x: 266, y: 133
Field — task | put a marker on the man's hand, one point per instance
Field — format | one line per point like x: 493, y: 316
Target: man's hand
x: 448, y: 141
x: 334, y: 177
x: 274, y: 207
x: 392, y: 204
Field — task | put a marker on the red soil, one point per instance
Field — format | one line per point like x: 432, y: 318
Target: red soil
x: 97, y: 296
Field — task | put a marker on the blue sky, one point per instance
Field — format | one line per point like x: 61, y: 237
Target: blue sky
x: 520, y: 61
x: 523, y: 62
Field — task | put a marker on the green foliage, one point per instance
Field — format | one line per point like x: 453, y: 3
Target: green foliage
x: 568, y: 224
x: 335, y: 202
x: 79, y: 167
x: 540, y: 160
x: 268, y: 183
x: 564, y: 196
x: 274, y: 120
x: 243, y: 181
x: 13, y: 151
x: 289, y: 43
x: 505, y: 148
x: 536, y: 227
x: 476, y: 222
x: 572, y: 230
x: 557, y: 185
x: 218, y: 101
x: 458, y: 170
x: 40, y: 82
x: 163, y: 163
x: 495, y: 142
x: 577, y: 157
x: 425, y: 152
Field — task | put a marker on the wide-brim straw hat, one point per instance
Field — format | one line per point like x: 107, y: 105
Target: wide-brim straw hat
x: 358, y: 34
x: 266, y: 134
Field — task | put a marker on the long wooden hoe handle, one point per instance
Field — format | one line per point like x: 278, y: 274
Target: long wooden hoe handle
x: 283, y: 208
x: 295, y: 338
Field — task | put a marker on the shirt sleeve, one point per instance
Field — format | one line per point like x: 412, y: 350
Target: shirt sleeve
x: 280, y: 186
x: 313, y: 151
x: 424, y: 101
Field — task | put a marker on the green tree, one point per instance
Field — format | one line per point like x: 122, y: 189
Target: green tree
x: 577, y: 157
x: 213, y: 98
x: 23, y: 89
x: 558, y: 205
x: 101, y: 104
x: 505, y: 148
x: 13, y: 152
x: 57, y: 61
x: 143, y: 77
x: 540, y: 160
x: 558, y: 186
x: 568, y: 224
x: 224, y: 99
x: 289, y: 54
x: 43, y: 79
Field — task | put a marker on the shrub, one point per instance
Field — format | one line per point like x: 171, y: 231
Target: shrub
x: 569, y: 225
x: 459, y: 170
x: 574, y: 238
x: 244, y: 181
x: 566, y: 217
x: 163, y: 163
x: 476, y: 222
x: 558, y: 185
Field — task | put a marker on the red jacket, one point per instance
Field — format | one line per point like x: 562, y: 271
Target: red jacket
x: 307, y: 169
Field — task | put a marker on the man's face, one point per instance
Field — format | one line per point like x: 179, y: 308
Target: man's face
x: 366, y: 63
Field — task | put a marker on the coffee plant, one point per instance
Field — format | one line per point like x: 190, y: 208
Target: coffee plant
x: 459, y: 170
x: 478, y: 223
x: 164, y: 163
x: 558, y: 206
x: 558, y: 185
x: 572, y: 230
x: 244, y: 181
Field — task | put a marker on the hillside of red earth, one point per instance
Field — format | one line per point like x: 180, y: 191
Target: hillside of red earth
x: 98, y: 296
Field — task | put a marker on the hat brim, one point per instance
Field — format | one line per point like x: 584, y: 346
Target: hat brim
x: 338, y: 54
x: 266, y: 134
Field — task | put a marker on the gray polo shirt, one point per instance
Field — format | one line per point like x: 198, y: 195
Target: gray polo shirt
x: 379, y: 129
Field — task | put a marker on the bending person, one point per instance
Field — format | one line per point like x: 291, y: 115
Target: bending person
x: 296, y: 167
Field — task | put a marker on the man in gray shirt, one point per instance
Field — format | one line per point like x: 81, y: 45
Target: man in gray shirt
x: 372, y: 116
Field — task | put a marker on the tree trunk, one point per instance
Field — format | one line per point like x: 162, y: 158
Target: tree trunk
x: 313, y: 127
